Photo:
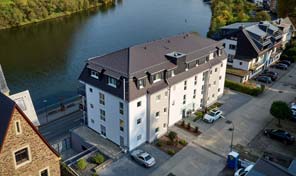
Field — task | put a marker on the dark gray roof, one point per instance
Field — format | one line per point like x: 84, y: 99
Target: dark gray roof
x: 267, y: 168
x: 6, y: 110
x: 3, y: 85
x: 150, y: 57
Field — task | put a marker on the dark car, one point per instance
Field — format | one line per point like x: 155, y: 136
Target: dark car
x: 264, y: 79
x: 273, y: 77
x: 285, y: 62
x: 280, y: 66
x: 273, y: 73
x: 280, y: 135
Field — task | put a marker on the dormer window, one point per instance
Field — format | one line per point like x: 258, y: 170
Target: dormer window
x: 170, y: 73
x: 94, y: 74
x: 141, y: 83
x: 112, y: 82
x: 157, y: 77
x: 219, y: 52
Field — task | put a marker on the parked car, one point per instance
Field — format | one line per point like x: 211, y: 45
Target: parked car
x: 273, y: 77
x: 280, y: 66
x: 288, y: 63
x: 280, y: 135
x: 265, y: 79
x: 212, y: 116
x: 273, y: 73
x: 243, y: 171
x: 143, y: 158
x: 293, y: 109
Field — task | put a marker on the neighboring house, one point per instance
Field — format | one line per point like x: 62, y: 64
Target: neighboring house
x: 23, y: 151
x: 24, y: 101
x: 259, y: 3
x: 133, y: 95
x: 287, y: 30
x: 3, y: 85
x: 251, y: 47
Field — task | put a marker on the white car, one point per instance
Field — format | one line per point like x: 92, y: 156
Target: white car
x: 212, y: 116
x: 243, y: 171
x: 143, y: 158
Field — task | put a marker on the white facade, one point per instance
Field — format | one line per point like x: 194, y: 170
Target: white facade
x: 111, y: 107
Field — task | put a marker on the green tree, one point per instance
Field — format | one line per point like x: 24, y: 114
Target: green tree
x: 81, y: 164
x: 98, y: 159
x: 262, y: 16
x: 280, y: 110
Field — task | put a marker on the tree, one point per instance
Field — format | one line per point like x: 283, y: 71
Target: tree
x: 262, y: 16
x: 280, y: 110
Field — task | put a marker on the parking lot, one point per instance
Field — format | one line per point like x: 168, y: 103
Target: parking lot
x: 125, y: 166
x: 264, y: 143
x: 231, y: 101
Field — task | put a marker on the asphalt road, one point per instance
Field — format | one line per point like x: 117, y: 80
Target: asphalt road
x: 61, y: 127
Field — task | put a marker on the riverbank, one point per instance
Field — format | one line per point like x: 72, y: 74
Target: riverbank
x: 19, y: 16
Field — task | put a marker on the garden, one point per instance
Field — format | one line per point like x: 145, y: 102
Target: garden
x: 170, y: 143
x: 91, y: 164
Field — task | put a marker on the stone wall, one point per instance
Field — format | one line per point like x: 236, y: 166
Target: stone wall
x: 41, y: 155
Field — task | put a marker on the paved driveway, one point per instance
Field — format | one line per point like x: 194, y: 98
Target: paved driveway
x: 231, y: 101
x: 127, y: 167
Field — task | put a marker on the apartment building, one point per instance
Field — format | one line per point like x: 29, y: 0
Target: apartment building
x: 251, y: 47
x: 23, y: 151
x: 133, y: 95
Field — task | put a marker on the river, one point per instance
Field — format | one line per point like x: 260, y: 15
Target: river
x: 47, y: 57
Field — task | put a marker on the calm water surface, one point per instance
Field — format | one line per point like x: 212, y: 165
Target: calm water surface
x: 47, y: 58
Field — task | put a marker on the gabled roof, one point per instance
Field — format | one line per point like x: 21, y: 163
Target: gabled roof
x: 3, y: 85
x: 288, y: 21
x: 7, y: 108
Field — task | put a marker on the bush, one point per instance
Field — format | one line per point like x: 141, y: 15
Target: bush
x: 199, y: 115
x: 183, y: 142
x: 98, y: 159
x: 159, y: 143
x: 172, y: 135
x: 171, y: 152
x: 254, y: 91
x: 81, y: 164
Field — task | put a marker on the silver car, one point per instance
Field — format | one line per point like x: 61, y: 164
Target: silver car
x: 143, y: 158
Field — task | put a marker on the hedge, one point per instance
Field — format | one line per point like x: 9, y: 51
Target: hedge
x: 254, y: 91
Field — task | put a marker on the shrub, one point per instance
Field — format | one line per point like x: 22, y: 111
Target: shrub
x: 188, y: 125
x: 199, y: 114
x: 171, y: 152
x: 159, y: 143
x: 172, y: 135
x: 81, y: 164
x: 254, y: 91
x: 183, y: 142
x: 98, y: 159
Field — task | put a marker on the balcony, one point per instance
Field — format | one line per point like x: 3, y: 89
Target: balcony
x: 256, y: 66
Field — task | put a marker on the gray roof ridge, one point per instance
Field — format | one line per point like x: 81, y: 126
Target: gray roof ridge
x: 251, y: 41
x: 215, y: 43
x: 148, y: 68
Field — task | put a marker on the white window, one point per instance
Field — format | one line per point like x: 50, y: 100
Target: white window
x: 22, y: 156
x: 121, y: 111
x: 157, y: 130
x: 102, y: 99
x: 102, y: 115
x: 194, y: 93
x: 216, y: 69
x: 121, y: 123
x: 232, y: 47
x: 166, y: 93
x: 139, y: 137
x: 157, y: 115
x: 92, y: 120
x: 139, y: 103
x: 112, y: 82
x: 185, y: 85
x: 219, y: 90
x: 195, y: 80
x: 164, y: 109
x: 220, y: 77
x: 90, y: 89
x: 173, y: 103
x: 139, y: 120
x: 44, y: 172
x: 18, y: 129
x: 164, y: 125
x: 214, y: 82
x: 103, y: 130
x: 157, y: 77
x: 91, y: 106
x: 158, y: 98
x: 184, y: 99
x: 94, y: 74
x: 141, y: 83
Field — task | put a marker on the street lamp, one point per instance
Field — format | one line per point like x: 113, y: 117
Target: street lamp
x: 45, y: 102
x: 232, y: 131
